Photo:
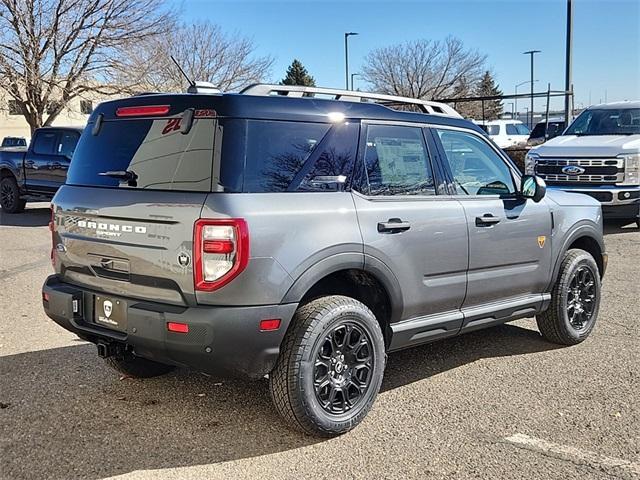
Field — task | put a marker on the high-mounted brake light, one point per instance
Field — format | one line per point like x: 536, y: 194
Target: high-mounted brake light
x: 142, y: 111
x: 220, y: 250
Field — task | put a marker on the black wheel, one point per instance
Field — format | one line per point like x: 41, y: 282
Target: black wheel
x: 330, y: 367
x: 575, y: 300
x: 138, y: 367
x: 10, y: 196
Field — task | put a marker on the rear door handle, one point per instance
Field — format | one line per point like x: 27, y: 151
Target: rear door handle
x: 487, y: 220
x: 393, y: 225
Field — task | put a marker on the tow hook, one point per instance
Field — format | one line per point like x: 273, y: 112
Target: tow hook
x: 106, y: 350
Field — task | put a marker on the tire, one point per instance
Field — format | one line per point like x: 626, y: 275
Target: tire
x: 318, y: 336
x: 138, y: 367
x: 565, y: 324
x: 10, y: 200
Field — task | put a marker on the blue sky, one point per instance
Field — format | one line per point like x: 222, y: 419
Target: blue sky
x: 606, y: 37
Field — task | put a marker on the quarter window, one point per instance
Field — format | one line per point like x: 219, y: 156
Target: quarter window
x: 397, y: 162
x: 476, y: 168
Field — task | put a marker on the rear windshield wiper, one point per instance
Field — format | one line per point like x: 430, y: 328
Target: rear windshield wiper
x: 128, y: 176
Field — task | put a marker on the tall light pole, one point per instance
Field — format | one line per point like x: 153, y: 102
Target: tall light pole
x: 531, y: 53
x: 516, y: 99
x: 568, y: 101
x: 512, y: 110
x: 346, y: 57
x: 353, y: 75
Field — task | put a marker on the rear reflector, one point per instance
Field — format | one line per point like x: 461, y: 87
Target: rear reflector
x: 270, y: 324
x: 177, y: 327
x: 45, y: 296
x: 142, y: 111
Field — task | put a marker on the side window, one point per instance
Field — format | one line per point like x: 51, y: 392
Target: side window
x: 397, y: 162
x: 335, y: 159
x: 476, y: 168
x: 67, y: 144
x: 276, y: 151
x: 45, y: 143
x: 511, y: 129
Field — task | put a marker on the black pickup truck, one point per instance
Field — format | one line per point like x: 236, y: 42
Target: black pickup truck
x: 35, y: 173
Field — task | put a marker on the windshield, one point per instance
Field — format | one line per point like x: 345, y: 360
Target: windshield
x: 610, y: 121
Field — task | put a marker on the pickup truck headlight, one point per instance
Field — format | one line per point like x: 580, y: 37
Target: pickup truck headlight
x: 631, y: 168
x: 530, y: 163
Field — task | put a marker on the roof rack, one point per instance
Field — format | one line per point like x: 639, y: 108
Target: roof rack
x: 391, y: 101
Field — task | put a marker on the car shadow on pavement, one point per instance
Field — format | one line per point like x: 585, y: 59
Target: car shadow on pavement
x: 612, y: 227
x: 31, y: 217
x: 415, y: 364
x: 65, y: 414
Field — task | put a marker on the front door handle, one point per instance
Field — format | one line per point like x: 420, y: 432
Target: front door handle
x: 487, y: 220
x: 393, y: 225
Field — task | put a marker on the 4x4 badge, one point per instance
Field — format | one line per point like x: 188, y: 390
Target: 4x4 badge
x: 184, y: 259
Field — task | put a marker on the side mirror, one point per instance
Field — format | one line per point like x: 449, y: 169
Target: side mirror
x: 533, y: 187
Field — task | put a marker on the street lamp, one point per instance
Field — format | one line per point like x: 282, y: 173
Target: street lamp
x: 512, y: 110
x: 516, y: 99
x: 353, y: 75
x: 346, y: 57
x: 531, y: 53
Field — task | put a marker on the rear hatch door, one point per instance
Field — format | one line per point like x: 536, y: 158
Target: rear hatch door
x: 123, y: 224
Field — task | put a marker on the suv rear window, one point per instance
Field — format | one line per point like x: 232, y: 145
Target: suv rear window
x: 154, y: 150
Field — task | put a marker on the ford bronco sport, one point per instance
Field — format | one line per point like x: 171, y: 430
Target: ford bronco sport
x: 274, y: 232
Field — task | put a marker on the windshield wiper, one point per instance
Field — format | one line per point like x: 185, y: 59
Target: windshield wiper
x: 128, y: 176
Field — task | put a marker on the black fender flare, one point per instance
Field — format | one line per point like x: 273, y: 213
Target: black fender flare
x: 349, y: 261
x: 581, y: 229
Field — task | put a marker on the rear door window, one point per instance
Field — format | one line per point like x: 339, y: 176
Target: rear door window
x: 154, y: 150
x: 67, y: 144
x: 397, y: 161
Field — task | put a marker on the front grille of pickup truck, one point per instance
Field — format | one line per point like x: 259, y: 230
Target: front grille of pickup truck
x: 596, y: 170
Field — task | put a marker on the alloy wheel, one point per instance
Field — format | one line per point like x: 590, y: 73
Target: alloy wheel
x: 581, y: 298
x: 343, y: 368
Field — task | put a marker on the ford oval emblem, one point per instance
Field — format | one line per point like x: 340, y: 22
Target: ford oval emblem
x: 573, y: 170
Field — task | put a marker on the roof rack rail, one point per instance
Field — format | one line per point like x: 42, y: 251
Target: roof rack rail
x: 391, y: 101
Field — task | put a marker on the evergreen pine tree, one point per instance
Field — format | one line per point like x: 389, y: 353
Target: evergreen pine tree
x: 298, y: 75
x: 486, y: 88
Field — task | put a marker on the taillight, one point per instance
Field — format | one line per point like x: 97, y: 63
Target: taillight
x: 221, y: 251
x: 142, y: 111
x: 52, y: 230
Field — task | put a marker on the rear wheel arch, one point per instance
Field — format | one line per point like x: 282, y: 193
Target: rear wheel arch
x: 369, y: 284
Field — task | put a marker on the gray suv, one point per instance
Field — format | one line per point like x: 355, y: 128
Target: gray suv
x: 277, y: 233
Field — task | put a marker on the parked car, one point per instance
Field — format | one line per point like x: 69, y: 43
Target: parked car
x: 36, y: 173
x: 275, y: 233
x: 544, y: 131
x: 506, y: 133
x: 13, y: 142
x: 598, y: 155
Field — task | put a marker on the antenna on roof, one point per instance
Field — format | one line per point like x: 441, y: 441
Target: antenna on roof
x: 191, y: 82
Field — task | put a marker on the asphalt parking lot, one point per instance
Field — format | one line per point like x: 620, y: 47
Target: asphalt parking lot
x: 499, y: 403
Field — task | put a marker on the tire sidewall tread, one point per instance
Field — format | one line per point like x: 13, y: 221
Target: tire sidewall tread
x: 290, y: 385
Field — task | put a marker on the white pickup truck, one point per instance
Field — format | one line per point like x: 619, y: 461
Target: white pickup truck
x: 598, y: 155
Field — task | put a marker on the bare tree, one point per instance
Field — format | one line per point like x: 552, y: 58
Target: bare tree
x: 52, y: 51
x: 424, y: 69
x: 205, y: 53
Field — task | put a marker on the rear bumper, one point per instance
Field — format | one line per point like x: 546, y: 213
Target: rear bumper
x: 617, y: 202
x: 223, y: 341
